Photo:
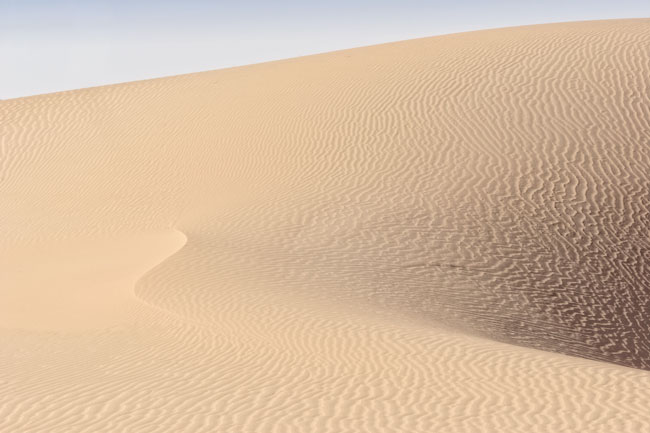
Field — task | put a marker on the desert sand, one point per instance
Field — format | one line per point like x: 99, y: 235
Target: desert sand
x: 449, y: 234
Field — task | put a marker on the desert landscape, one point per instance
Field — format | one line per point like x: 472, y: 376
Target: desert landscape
x: 448, y: 234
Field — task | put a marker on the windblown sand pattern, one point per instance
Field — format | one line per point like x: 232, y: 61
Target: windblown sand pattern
x: 370, y: 240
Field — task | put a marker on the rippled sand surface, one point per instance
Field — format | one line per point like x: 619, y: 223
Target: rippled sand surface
x: 444, y: 234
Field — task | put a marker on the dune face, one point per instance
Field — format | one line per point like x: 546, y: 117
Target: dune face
x: 338, y: 243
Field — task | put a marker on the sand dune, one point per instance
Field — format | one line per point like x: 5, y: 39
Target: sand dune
x: 444, y: 234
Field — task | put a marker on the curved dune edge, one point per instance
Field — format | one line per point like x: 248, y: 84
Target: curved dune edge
x: 350, y: 222
x: 81, y: 284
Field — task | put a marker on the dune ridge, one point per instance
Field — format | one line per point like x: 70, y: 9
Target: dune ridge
x: 407, y: 237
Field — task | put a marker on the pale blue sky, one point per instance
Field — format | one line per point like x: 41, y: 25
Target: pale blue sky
x: 53, y: 45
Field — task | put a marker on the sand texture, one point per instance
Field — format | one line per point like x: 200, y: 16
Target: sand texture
x: 449, y: 234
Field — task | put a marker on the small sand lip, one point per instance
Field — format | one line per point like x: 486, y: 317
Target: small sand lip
x: 78, y: 284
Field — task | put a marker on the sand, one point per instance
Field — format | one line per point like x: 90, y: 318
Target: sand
x: 449, y: 234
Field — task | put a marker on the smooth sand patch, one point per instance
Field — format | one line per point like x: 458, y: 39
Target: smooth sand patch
x: 80, y: 284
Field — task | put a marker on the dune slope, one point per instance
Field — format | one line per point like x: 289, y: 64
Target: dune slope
x: 407, y: 237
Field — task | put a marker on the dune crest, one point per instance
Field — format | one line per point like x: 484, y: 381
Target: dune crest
x: 407, y: 237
